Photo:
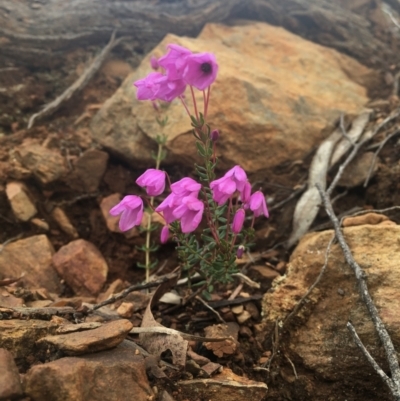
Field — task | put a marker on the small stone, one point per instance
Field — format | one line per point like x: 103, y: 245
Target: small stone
x: 46, y: 165
x: 246, y: 332
x: 243, y: 317
x: 112, y: 221
x: 211, y: 368
x: 10, y: 384
x: 115, y: 287
x: 237, y: 309
x: 252, y: 309
x: 117, y: 374
x: 102, y: 338
x: 64, y: 223
x: 32, y: 258
x: 125, y: 310
x: 82, y: 266
x: 40, y: 224
x: 21, y: 205
x: 8, y: 300
x: 89, y: 170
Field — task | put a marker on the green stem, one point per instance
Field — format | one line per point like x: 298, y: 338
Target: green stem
x: 148, y: 228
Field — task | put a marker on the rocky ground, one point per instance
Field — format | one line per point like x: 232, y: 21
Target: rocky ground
x: 277, y: 99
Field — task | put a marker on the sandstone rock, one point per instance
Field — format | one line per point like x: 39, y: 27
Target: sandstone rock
x: 84, y: 342
x: 46, y: 165
x: 272, y: 97
x: 82, y: 266
x: 64, y: 223
x: 31, y: 257
x: 22, y: 206
x: 112, y: 221
x: 10, y: 384
x: 39, y: 223
x: 88, y: 171
x: 226, y: 386
x: 113, y: 375
x: 367, y: 218
x: 20, y: 336
x: 319, y: 337
x: 8, y: 300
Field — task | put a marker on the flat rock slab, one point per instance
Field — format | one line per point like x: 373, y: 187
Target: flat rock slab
x: 32, y: 258
x: 226, y: 386
x: 10, y: 384
x: 274, y: 94
x: 20, y: 336
x: 21, y: 204
x: 319, y: 337
x: 102, y: 338
x: 82, y: 266
x: 116, y: 375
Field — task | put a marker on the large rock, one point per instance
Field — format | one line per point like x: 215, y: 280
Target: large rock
x: 30, y: 257
x: 82, y: 266
x: 274, y: 94
x: 319, y: 337
x: 106, y: 376
x: 10, y: 384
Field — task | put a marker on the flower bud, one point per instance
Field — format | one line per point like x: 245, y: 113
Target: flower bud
x: 240, y: 252
x: 164, y: 234
x: 154, y: 63
x: 214, y: 135
x: 238, y: 221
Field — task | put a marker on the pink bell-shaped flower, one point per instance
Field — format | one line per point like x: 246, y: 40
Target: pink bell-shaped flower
x: 131, y: 211
x: 258, y: 205
x: 153, y: 180
x: 201, y: 70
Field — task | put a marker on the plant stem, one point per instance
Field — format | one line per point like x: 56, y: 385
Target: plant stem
x: 148, y: 228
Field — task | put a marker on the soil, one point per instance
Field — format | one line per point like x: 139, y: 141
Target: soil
x: 69, y: 134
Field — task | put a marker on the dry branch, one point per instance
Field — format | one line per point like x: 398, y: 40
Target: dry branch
x: 79, y: 84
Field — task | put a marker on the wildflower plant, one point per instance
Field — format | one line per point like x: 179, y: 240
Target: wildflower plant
x: 219, y: 206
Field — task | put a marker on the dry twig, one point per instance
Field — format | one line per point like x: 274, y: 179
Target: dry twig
x: 79, y: 84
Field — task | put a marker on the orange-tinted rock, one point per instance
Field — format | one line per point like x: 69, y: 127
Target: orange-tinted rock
x: 88, y: 171
x: 107, y: 336
x: 319, y: 336
x: 31, y: 257
x: 10, y: 385
x: 63, y: 221
x: 22, y: 206
x: 82, y: 267
x: 46, y: 165
x: 113, y: 375
x: 268, y: 92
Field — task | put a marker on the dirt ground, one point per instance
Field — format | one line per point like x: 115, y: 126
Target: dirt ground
x: 69, y: 134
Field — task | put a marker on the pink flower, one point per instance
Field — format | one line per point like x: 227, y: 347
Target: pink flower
x: 238, y: 221
x: 175, y: 61
x: 168, y: 206
x: 246, y: 193
x: 189, y: 213
x: 154, y: 63
x: 131, y: 210
x: 147, y: 87
x: 164, y: 234
x: 223, y: 188
x: 168, y: 90
x: 153, y: 180
x: 201, y: 70
x: 258, y: 205
x: 186, y: 187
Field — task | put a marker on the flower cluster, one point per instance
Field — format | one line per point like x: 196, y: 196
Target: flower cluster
x: 182, y: 67
x: 183, y: 203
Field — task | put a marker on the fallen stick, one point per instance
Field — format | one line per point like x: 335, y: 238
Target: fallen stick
x: 79, y: 84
